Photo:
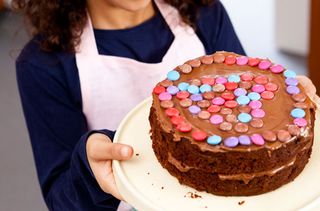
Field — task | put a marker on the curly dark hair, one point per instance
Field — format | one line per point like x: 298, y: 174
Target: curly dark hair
x: 61, y: 22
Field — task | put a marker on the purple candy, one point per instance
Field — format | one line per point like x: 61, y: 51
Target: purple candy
x: 172, y: 90
x: 231, y: 141
x: 196, y: 97
x: 240, y: 91
x: 291, y: 81
x: 244, y: 140
x: 194, y: 109
x: 293, y: 90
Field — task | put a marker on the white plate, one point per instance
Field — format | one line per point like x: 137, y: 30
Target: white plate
x: 147, y: 186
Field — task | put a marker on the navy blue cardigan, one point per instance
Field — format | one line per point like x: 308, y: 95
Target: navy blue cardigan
x: 51, y: 98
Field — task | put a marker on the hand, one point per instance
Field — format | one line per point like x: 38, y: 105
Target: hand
x: 100, y: 153
x: 310, y: 89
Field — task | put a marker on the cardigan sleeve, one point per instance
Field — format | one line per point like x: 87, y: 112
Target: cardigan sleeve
x: 58, y: 134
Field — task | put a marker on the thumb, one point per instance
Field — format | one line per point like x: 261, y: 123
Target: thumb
x: 103, y: 149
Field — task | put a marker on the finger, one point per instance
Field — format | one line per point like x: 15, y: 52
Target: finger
x: 310, y: 89
x: 105, y: 178
x: 99, y: 149
x: 307, y: 84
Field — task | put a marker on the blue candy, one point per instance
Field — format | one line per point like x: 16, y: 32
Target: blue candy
x: 234, y: 78
x: 243, y: 100
x: 214, y: 140
x: 193, y: 89
x: 183, y: 86
x: 173, y: 75
x: 298, y: 113
x: 289, y: 74
x: 205, y: 88
x: 254, y: 96
x: 244, y: 117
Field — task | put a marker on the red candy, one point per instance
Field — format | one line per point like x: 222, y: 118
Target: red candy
x: 199, y: 135
x: 230, y: 60
x: 267, y: 95
x: 184, y: 127
x: 182, y: 95
x: 231, y: 86
x: 271, y: 87
x: 231, y: 104
x: 227, y: 96
x: 214, y: 108
x: 176, y: 120
x: 159, y: 89
x: 209, y: 81
x: 261, y: 79
x: 253, y: 62
x: 246, y: 77
x: 172, y: 112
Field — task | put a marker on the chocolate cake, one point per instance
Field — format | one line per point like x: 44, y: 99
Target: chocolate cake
x: 232, y: 125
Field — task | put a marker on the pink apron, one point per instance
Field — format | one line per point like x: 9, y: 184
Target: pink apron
x: 111, y: 86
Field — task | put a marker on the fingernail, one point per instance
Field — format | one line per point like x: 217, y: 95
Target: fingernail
x: 125, y: 151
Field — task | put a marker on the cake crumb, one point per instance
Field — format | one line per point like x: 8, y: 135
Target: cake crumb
x: 241, y: 202
x: 137, y: 154
x: 192, y: 195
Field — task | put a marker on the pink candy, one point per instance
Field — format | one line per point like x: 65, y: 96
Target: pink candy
x: 258, y: 88
x: 277, y: 68
x: 301, y: 122
x: 255, y: 104
x: 165, y: 96
x: 257, y: 139
x: 221, y: 80
x: 242, y: 60
x: 258, y: 113
x: 218, y: 101
x: 264, y: 64
x: 216, y: 119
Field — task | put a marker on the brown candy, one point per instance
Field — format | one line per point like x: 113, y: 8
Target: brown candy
x: 244, y: 109
x: 203, y: 103
x: 225, y: 126
x: 241, y: 127
x: 218, y: 88
x: 194, y: 63
x: 196, y: 82
x: 166, y: 104
x: 256, y: 123
x: 166, y: 83
x: 231, y: 118
x: 300, y: 97
x: 208, y: 95
x: 283, y: 135
x: 226, y: 111
x: 218, y: 58
x: 294, y: 130
x: 186, y: 102
x: 245, y: 84
x: 204, y: 115
x: 207, y: 59
x: 269, y: 135
x: 185, y: 68
x: 300, y: 105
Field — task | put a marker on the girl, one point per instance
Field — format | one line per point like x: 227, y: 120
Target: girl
x: 87, y: 65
